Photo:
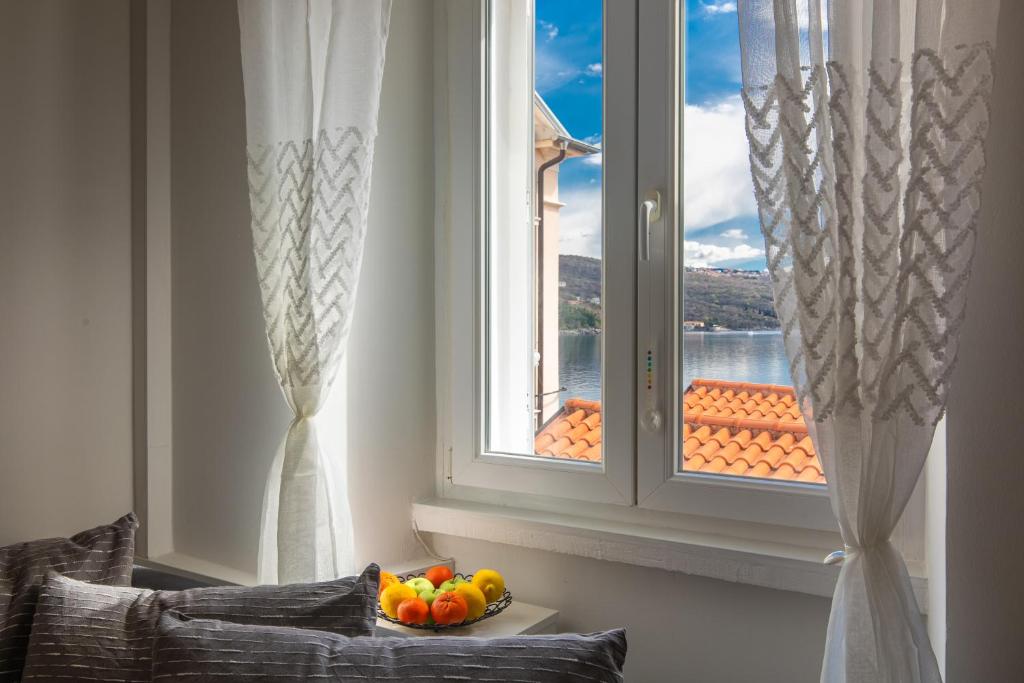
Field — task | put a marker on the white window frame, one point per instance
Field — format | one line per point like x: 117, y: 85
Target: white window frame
x: 639, y: 466
x: 659, y: 485
x: 466, y: 461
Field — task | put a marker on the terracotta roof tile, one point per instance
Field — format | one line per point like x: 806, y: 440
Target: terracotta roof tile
x: 737, y: 428
x: 574, y: 433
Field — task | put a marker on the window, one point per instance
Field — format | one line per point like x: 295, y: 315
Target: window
x: 612, y: 337
x: 539, y: 175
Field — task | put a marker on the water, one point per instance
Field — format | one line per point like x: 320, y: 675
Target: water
x: 579, y: 366
x: 736, y: 356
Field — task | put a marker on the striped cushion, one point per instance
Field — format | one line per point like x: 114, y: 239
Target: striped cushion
x: 102, y: 555
x: 84, y: 632
x: 204, y: 650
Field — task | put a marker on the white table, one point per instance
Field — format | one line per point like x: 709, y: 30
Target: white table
x: 518, y: 620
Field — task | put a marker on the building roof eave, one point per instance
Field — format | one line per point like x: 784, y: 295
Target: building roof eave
x: 574, y: 147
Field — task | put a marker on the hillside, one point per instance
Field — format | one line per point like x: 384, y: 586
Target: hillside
x: 577, y: 309
x: 718, y: 297
x: 582, y: 277
x: 733, y: 299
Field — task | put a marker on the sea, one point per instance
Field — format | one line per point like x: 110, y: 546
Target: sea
x: 736, y: 356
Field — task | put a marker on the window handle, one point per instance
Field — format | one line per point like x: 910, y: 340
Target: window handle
x: 650, y: 212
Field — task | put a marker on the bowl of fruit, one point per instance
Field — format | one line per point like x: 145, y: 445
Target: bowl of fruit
x: 440, y: 599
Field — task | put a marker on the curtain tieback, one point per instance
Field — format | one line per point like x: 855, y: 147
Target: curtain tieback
x: 835, y: 557
x: 838, y: 556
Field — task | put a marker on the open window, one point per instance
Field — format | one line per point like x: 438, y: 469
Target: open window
x: 551, y: 316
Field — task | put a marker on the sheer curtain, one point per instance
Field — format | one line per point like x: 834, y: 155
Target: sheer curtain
x: 312, y: 74
x: 867, y: 122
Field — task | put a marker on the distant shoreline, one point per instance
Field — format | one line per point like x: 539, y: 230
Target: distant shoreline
x: 733, y: 299
x: 593, y: 331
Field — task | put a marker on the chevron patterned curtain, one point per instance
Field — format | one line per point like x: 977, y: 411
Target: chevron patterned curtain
x: 312, y: 73
x: 867, y: 122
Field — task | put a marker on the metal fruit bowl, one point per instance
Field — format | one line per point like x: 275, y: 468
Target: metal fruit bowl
x: 493, y: 609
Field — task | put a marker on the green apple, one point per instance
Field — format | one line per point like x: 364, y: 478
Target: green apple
x: 419, y: 584
x: 450, y: 584
x: 429, y: 595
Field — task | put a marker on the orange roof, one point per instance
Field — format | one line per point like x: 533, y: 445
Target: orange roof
x: 574, y: 433
x: 737, y: 428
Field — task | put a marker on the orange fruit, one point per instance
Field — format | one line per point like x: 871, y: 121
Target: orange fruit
x: 386, y: 579
x: 490, y: 583
x: 449, y: 608
x: 413, y: 611
x: 438, y: 575
x: 393, y: 596
x: 475, y: 600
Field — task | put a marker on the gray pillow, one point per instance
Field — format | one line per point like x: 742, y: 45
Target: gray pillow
x: 102, y: 555
x: 204, y: 650
x: 92, y: 633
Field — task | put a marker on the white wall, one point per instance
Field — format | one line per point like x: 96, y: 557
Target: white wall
x: 679, y: 627
x: 391, y: 415
x: 229, y: 414
x: 65, y: 267
x: 985, y: 466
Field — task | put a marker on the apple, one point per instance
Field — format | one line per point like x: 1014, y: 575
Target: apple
x: 419, y: 584
x: 450, y: 584
x: 429, y: 595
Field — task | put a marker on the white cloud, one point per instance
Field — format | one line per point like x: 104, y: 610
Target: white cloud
x: 733, y: 234
x: 595, y: 69
x: 552, y: 70
x: 700, y: 255
x: 550, y: 30
x: 580, y: 233
x: 721, y: 7
x: 580, y: 222
x: 716, y: 169
x: 594, y: 159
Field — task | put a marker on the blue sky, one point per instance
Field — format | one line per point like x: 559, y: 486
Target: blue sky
x: 719, y: 211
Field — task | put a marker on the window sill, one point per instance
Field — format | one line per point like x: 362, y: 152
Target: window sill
x: 190, y: 567
x: 770, y: 564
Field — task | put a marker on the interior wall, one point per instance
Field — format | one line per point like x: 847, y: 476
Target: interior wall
x: 391, y: 416
x: 229, y: 414
x: 985, y: 475
x: 678, y: 627
x: 65, y: 267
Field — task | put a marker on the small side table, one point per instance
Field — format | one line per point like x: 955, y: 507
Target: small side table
x: 520, y: 619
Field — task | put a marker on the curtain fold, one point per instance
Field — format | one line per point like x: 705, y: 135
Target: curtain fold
x: 312, y: 73
x: 867, y: 123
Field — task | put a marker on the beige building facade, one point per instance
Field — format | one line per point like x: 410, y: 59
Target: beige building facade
x: 552, y: 145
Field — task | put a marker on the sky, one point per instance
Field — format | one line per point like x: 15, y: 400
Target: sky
x: 719, y: 212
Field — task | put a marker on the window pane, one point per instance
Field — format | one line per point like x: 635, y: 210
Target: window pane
x: 544, y: 309
x: 739, y: 413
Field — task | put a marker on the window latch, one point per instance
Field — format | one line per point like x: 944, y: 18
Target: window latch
x: 650, y: 212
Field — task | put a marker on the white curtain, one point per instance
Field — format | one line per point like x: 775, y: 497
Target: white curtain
x: 312, y: 73
x: 867, y: 122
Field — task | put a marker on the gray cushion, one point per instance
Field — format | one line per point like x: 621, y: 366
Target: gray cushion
x: 205, y: 650
x: 102, y: 555
x: 92, y: 633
